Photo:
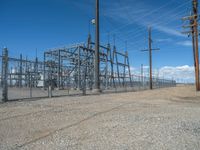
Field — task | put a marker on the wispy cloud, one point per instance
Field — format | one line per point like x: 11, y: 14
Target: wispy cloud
x: 185, y: 43
x: 168, y: 30
x: 129, y: 16
x: 164, y: 40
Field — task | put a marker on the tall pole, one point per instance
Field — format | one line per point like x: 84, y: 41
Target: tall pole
x: 96, y: 63
x: 195, y: 11
x: 150, y: 49
x: 150, y: 60
x: 193, y: 18
x: 194, y: 52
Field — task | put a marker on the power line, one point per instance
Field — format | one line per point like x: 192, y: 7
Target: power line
x: 121, y: 41
x: 149, y: 13
x: 138, y: 33
x: 156, y: 24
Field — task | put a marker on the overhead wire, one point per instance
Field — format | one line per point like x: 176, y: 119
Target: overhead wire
x: 157, y: 19
x: 148, y: 14
x: 159, y: 23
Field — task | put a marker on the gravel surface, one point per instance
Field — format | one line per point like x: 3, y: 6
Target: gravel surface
x: 154, y: 120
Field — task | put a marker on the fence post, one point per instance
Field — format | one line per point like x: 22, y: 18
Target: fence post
x: 31, y: 82
x: 4, y: 75
x: 50, y: 91
x: 84, y: 82
x: 20, y: 72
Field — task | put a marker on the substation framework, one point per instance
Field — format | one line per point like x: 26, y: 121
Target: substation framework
x: 19, y: 72
x: 72, y: 68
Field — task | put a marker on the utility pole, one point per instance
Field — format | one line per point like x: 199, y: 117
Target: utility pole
x: 193, y: 20
x: 195, y: 11
x: 194, y: 52
x: 150, y: 58
x: 96, y: 63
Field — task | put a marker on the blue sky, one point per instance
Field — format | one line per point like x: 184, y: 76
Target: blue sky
x: 43, y: 24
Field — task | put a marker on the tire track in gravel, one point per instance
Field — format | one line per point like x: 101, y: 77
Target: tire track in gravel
x: 51, y: 109
x: 71, y: 125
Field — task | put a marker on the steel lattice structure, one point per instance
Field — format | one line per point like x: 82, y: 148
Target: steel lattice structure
x: 74, y: 66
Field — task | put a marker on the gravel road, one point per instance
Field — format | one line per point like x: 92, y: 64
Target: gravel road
x: 154, y: 120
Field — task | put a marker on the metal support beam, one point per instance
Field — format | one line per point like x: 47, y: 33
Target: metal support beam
x: 20, y: 72
x: 79, y: 69
x: 44, y: 72
x: 59, y: 71
x: 129, y: 69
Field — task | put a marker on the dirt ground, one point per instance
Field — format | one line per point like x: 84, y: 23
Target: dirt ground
x: 159, y: 119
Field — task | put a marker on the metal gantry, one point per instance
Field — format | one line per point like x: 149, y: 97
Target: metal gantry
x: 73, y: 68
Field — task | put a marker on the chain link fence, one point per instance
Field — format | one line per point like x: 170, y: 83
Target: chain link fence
x: 29, y: 79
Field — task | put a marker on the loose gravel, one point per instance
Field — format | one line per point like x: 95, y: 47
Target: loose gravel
x: 154, y: 120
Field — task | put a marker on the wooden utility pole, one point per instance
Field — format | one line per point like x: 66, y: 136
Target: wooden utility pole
x: 194, y: 52
x: 96, y: 63
x: 195, y: 11
x: 193, y: 20
x: 150, y: 58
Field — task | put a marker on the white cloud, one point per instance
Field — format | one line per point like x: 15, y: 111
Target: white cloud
x: 145, y: 67
x: 183, y: 73
x: 179, y: 73
x: 132, y: 69
x: 185, y: 43
x: 138, y: 71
